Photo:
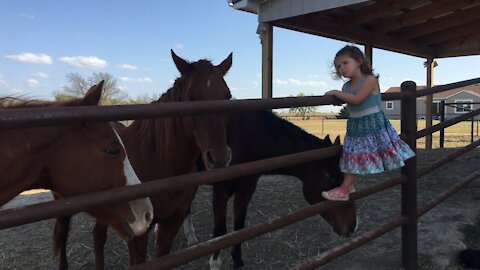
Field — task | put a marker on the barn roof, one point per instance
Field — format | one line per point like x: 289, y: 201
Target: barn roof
x: 425, y: 28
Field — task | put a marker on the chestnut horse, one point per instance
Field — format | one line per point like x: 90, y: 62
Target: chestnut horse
x: 170, y: 146
x: 260, y: 135
x: 71, y: 160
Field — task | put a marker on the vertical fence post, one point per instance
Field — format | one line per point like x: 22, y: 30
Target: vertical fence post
x: 442, y: 119
x: 409, y: 189
x: 471, y: 133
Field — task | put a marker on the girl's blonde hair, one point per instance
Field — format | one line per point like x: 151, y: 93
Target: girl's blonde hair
x: 357, y: 55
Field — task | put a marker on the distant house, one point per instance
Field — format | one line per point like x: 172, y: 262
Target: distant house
x: 462, y: 95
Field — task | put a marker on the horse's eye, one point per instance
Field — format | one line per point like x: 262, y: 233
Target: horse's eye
x: 113, y: 152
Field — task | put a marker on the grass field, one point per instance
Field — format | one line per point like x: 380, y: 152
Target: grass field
x: 455, y: 136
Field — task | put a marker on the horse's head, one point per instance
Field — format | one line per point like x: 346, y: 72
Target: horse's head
x: 202, y: 80
x: 342, y: 218
x: 91, y: 157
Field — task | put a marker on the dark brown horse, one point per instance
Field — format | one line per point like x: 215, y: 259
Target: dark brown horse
x: 71, y: 160
x: 164, y: 147
x: 260, y: 135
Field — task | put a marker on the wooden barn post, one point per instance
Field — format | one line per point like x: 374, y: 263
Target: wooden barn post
x: 409, y: 189
x: 265, y: 30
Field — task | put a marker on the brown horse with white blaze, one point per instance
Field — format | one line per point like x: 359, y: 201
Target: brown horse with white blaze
x: 169, y: 146
x: 71, y: 160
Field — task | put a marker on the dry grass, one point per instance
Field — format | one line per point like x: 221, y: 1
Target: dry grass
x: 455, y: 136
x: 29, y: 246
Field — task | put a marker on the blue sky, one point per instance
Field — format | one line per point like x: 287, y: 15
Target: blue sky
x: 43, y: 41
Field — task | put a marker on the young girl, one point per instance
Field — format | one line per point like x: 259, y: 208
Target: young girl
x: 371, y: 144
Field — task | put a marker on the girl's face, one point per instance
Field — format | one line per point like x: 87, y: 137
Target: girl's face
x: 347, y: 66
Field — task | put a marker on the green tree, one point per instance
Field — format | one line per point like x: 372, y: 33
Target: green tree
x: 144, y: 99
x: 303, y: 112
x: 78, y: 86
x: 344, y: 112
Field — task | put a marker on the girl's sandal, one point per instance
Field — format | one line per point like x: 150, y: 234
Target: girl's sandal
x: 336, y: 194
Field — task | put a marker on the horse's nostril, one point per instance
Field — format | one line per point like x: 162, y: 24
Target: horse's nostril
x: 210, y: 158
x: 148, y: 216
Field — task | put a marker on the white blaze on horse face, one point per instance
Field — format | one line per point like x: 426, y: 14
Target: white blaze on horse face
x: 208, y: 83
x: 142, y: 208
x: 215, y: 264
x: 189, y: 231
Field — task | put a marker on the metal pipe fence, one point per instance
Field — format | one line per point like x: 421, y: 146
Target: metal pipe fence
x: 63, y: 116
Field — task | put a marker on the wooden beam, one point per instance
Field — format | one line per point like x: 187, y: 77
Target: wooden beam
x: 435, y: 25
x: 379, y: 9
x: 369, y: 53
x: 266, y: 37
x: 456, y: 33
x: 469, y: 45
x: 333, y: 29
x: 412, y: 17
x: 457, y: 53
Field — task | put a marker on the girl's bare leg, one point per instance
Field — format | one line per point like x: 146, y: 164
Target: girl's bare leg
x: 348, y: 181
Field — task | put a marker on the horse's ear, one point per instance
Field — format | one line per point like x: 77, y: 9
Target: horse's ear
x: 327, y: 140
x: 226, y: 64
x: 92, y: 97
x: 337, y: 141
x: 182, y: 65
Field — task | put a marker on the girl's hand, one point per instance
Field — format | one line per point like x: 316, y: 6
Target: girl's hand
x: 332, y: 93
x: 335, y: 94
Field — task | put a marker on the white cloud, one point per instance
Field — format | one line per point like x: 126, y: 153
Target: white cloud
x: 127, y: 67
x: 280, y: 82
x: 41, y: 75
x: 3, y: 81
x: 26, y: 15
x: 295, y: 82
x: 32, y: 83
x: 31, y: 58
x: 136, y: 80
x: 15, y: 92
x: 92, y: 62
x: 179, y: 46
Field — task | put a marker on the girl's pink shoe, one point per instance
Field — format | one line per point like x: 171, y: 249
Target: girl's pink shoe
x: 336, y: 194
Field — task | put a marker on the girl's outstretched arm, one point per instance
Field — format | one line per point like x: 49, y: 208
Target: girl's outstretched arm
x: 369, y: 86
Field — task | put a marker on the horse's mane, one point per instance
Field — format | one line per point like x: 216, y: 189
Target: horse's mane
x: 11, y: 102
x: 201, y: 68
x: 149, y: 132
x: 278, y: 126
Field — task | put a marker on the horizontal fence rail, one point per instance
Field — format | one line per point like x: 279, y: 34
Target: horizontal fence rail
x: 67, y: 206
x: 34, y: 117
x: 19, y: 118
x: 446, y: 194
x: 445, y: 87
x: 373, y: 234
x: 357, y: 242
x: 446, y: 123
x: 444, y: 160
x: 343, y: 249
x: 205, y: 248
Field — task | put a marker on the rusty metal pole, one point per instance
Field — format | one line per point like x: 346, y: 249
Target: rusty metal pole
x: 442, y: 119
x: 409, y: 189
x: 430, y: 64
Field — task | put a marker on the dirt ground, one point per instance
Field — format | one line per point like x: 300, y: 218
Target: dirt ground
x: 439, y: 238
